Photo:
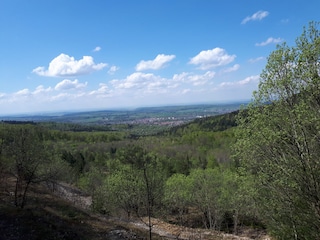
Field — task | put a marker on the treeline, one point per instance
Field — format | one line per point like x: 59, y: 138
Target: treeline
x: 212, y: 123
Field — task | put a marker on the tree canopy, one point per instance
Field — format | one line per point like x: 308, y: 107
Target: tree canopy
x: 279, y: 136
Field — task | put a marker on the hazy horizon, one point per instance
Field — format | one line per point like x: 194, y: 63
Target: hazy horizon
x: 71, y: 111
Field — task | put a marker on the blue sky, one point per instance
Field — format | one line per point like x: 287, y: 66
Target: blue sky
x: 60, y: 55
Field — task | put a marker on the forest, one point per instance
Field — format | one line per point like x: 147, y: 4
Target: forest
x: 254, y: 168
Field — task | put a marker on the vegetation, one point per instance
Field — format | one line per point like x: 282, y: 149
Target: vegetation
x: 129, y: 177
x: 257, y: 168
x: 278, y: 139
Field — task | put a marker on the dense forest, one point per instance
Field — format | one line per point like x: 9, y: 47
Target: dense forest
x: 257, y: 167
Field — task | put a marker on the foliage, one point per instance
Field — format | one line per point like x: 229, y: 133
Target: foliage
x: 278, y: 138
x: 27, y: 158
x: 168, y: 173
x: 224, y: 197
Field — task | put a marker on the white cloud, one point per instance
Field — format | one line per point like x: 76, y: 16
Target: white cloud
x: 254, y: 60
x: 181, y: 77
x: 269, y: 41
x: 194, y: 79
x: 201, y: 79
x: 246, y: 81
x: 137, y: 89
x: 256, y: 16
x: 40, y: 89
x: 97, y: 49
x: 232, y: 69
x: 102, y: 91
x: 149, y: 86
x: 67, y: 84
x: 113, y: 69
x: 212, y: 58
x: 250, y: 79
x: 156, y: 63
x: 60, y: 97
x: 64, y: 65
x: 23, y: 92
x: 136, y: 80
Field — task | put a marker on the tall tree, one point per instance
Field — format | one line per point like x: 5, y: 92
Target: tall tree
x: 279, y: 136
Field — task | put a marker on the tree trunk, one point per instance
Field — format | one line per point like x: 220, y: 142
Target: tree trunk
x: 235, y: 222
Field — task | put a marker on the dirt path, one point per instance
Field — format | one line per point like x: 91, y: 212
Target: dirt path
x: 171, y: 231
x: 161, y: 228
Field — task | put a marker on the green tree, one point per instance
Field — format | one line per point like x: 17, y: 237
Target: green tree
x: 123, y: 190
x: 206, y: 194
x: 237, y: 199
x: 136, y: 187
x: 29, y: 159
x: 153, y: 183
x: 279, y: 135
x: 177, y: 194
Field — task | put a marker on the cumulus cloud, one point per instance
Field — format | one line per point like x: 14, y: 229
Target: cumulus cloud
x: 97, y: 49
x: 136, y: 80
x: 156, y: 63
x: 248, y: 80
x: 102, y: 91
x: 232, y: 69
x: 67, y: 84
x: 64, y: 65
x: 270, y: 40
x: 41, y: 89
x: 23, y: 92
x: 201, y: 79
x: 215, y: 57
x: 113, y: 69
x: 256, y: 16
x: 140, y: 83
x: 194, y: 79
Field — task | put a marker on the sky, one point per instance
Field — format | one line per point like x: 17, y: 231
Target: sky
x: 76, y: 55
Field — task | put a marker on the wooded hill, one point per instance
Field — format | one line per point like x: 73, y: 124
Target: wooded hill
x: 171, y: 175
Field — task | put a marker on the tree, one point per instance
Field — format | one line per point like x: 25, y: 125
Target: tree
x: 237, y: 199
x: 153, y: 182
x: 136, y: 187
x: 278, y: 138
x: 123, y: 190
x: 206, y: 194
x: 177, y: 194
x: 28, y: 159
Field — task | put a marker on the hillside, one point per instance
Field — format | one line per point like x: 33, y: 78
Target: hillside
x: 91, y: 160
x: 48, y: 216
